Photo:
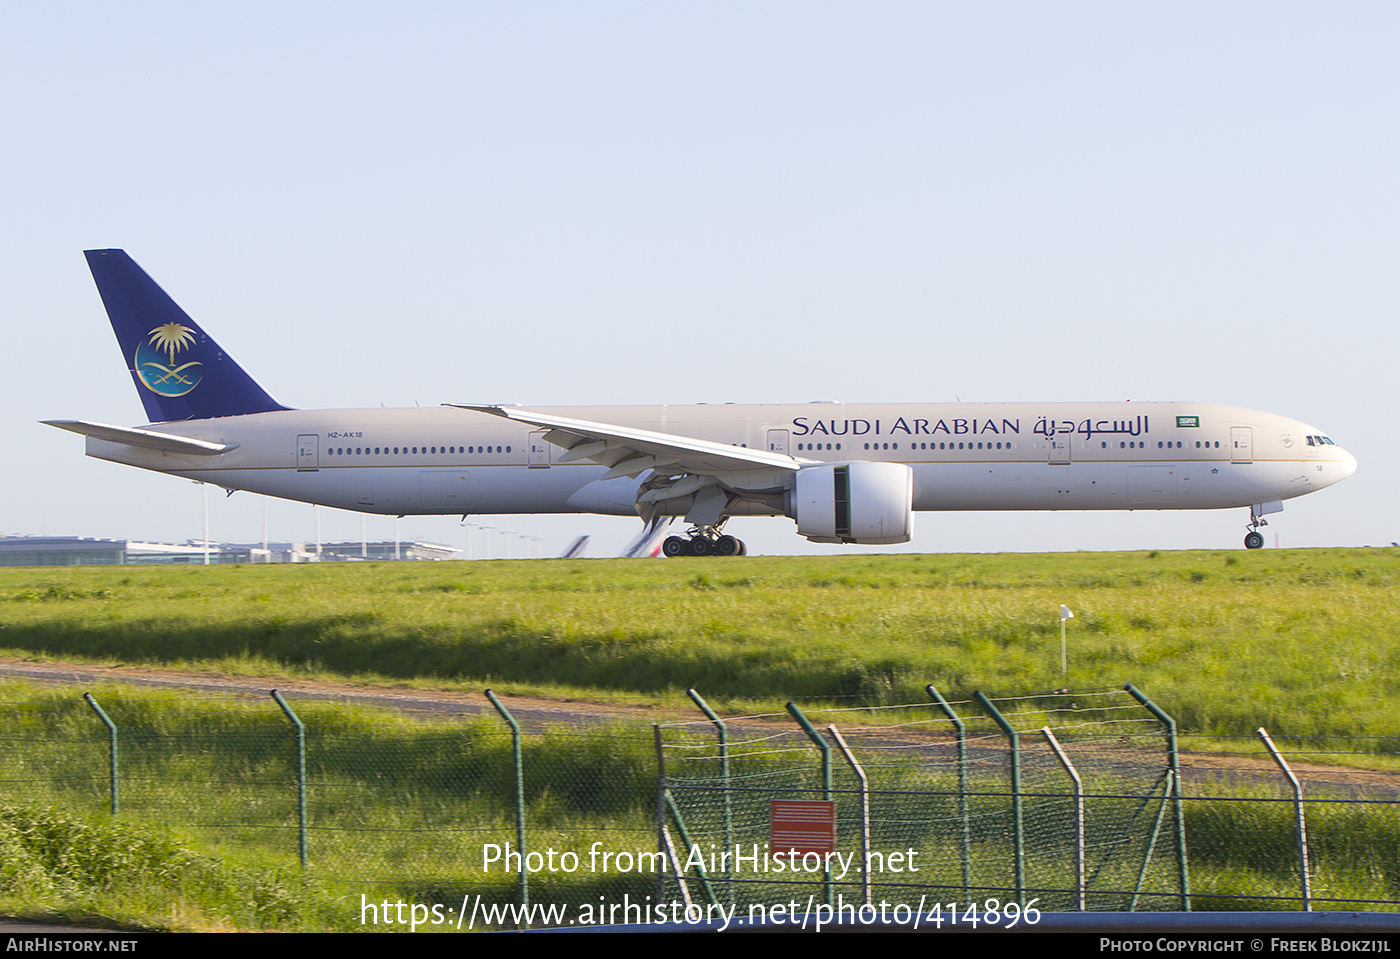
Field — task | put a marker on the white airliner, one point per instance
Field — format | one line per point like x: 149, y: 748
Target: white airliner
x: 845, y: 472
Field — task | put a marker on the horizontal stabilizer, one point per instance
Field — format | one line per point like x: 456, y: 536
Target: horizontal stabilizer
x: 146, y: 439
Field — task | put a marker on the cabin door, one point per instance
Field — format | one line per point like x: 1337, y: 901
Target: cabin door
x: 1241, y: 444
x: 308, y: 453
x: 537, y: 450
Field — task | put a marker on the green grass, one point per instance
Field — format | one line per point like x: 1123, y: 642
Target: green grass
x: 402, y: 810
x: 1300, y: 642
x: 207, y: 835
x: 1297, y: 641
x: 94, y: 871
x: 1244, y: 853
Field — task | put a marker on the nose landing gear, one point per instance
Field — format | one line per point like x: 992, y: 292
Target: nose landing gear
x: 1255, y: 539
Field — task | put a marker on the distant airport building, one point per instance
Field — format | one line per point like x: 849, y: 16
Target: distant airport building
x: 362, y: 552
x: 91, y: 551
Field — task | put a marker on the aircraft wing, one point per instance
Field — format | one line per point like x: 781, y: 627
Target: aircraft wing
x: 146, y: 439
x: 630, y: 452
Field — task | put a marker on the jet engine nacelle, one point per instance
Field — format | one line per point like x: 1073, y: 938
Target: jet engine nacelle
x: 871, y: 503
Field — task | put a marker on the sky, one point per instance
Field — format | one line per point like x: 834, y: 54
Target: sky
x: 617, y: 203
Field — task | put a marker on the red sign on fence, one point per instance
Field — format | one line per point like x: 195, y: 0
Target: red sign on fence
x: 800, y: 826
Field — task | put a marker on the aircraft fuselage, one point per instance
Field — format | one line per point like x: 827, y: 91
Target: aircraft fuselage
x: 964, y: 456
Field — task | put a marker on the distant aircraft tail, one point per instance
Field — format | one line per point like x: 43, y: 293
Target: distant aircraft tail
x: 180, y: 372
x: 647, y: 544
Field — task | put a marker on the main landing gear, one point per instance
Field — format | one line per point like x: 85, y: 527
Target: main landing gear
x: 703, y: 541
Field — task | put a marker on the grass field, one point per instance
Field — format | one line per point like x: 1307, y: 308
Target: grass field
x: 1299, y: 641
x: 207, y: 833
x: 402, y: 809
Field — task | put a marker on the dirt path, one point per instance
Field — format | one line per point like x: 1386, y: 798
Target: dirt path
x: 437, y: 702
x: 1198, y: 769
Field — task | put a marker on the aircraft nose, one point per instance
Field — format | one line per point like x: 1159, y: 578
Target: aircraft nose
x: 1348, y: 464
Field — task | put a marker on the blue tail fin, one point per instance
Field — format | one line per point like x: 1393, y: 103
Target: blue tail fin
x: 180, y: 372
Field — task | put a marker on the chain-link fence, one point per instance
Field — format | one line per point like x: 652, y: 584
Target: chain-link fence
x: 1300, y: 823
x: 1070, y: 801
x: 424, y: 811
x: 957, y: 802
x: 1067, y: 801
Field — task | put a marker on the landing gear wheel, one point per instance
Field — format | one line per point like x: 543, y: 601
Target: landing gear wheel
x: 1253, y: 540
x: 703, y: 540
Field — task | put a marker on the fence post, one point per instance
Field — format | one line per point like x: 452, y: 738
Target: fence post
x: 1152, y: 842
x: 690, y: 845
x: 1018, y: 827
x: 519, y: 802
x: 964, y: 809
x: 301, y: 771
x: 825, y: 748
x: 1078, y: 813
x: 662, y: 841
x: 1174, y: 760
x: 111, y: 750
x: 1298, y: 815
x: 724, y: 777
x: 864, y: 808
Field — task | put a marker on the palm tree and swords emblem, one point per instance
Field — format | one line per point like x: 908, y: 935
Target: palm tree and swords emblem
x: 167, y: 379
